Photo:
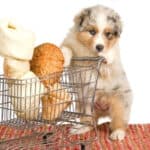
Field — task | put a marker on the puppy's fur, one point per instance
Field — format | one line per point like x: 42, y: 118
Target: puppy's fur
x: 96, y: 32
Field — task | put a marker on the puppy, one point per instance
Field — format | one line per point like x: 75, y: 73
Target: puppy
x: 96, y: 32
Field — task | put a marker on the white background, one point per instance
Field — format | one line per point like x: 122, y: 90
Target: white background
x: 51, y: 20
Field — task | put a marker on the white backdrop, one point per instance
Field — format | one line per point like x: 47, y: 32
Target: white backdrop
x: 51, y: 19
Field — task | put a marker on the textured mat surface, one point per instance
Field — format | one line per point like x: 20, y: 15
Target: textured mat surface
x: 138, y: 138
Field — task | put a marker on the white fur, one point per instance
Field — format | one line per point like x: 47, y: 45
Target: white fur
x: 117, y: 135
x: 116, y: 77
x: 67, y: 54
x: 99, y: 40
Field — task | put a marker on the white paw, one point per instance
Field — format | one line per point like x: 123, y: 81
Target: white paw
x: 79, y: 129
x: 67, y: 53
x: 117, y: 135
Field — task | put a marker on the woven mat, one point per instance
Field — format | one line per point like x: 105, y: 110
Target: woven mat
x: 138, y: 138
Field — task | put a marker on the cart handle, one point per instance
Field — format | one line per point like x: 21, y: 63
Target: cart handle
x: 99, y: 58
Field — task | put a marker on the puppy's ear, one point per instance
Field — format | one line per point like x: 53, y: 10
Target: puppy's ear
x: 79, y: 18
x: 116, y: 20
x: 119, y: 25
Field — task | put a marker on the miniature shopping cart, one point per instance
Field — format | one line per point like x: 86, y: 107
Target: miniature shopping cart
x: 37, y: 117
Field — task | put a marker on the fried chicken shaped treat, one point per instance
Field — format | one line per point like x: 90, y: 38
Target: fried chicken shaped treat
x: 16, y: 46
x: 47, y: 60
x: 47, y: 64
x: 33, y: 73
x: 55, y: 102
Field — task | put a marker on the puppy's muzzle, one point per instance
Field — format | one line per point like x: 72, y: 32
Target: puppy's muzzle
x: 99, y: 47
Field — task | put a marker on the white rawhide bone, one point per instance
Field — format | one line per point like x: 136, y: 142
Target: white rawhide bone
x: 25, y: 96
x: 17, y: 46
x: 15, y: 41
x: 14, y: 68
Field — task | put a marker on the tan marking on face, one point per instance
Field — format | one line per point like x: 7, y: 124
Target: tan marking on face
x: 111, y: 40
x: 86, y: 38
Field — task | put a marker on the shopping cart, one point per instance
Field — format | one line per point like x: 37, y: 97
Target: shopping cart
x: 41, y: 118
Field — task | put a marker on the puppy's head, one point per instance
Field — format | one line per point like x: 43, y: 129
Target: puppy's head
x: 98, y: 28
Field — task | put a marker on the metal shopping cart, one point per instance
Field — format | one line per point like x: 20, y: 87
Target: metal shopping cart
x: 41, y: 118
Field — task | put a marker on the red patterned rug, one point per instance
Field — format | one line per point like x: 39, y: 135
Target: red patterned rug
x: 138, y: 138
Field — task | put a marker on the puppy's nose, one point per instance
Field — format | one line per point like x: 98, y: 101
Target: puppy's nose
x: 99, y: 47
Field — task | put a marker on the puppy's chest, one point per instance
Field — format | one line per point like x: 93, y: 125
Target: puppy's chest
x: 108, y: 78
x: 107, y: 85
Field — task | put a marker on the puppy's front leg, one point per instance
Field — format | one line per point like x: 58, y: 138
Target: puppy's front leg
x: 118, y: 124
x: 67, y: 53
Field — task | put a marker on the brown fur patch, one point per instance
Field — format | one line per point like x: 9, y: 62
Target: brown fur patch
x: 86, y: 38
x: 109, y: 42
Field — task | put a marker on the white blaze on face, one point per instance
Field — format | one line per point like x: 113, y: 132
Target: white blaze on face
x: 101, y: 25
x: 99, y: 40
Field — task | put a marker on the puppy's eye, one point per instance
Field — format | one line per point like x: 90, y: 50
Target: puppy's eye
x: 115, y: 33
x: 109, y: 35
x: 92, y: 32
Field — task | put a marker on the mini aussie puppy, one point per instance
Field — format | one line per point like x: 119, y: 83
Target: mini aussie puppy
x: 96, y: 32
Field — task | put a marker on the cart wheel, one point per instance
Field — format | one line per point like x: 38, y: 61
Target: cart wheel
x: 46, y: 136
x: 82, y: 147
x: 85, y: 146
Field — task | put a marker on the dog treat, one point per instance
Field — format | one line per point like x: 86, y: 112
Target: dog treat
x: 47, y: 59
x: 15, y: 41
x: 14, y: 68
x: 25, y: 96
x: 24, y: 88
x: 53, y: 104
x: 47, y: 64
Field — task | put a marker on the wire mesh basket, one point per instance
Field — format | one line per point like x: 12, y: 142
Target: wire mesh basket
x: 42, y: 117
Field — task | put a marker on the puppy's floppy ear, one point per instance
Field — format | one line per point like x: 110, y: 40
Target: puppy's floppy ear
x: 119, y: 25
x: 79, y: 18
x: 116, y: 20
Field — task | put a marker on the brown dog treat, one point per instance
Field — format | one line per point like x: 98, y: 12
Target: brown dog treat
x: 55, y: 102
x: 47, y: 59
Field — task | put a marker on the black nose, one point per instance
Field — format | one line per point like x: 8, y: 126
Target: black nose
x: 99, y: 47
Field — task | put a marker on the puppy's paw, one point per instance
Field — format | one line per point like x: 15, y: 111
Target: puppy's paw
x: 79, y: 129
x: 118, y: 134
x: 67, y: 53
